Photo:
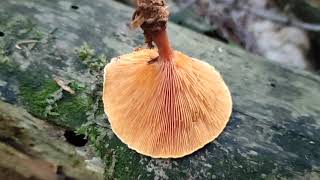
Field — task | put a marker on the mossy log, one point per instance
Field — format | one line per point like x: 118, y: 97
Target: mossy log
x: 273, y: 132
x: 31, y: 148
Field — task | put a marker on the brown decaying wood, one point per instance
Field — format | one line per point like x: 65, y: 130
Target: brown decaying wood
x: 167, y: 109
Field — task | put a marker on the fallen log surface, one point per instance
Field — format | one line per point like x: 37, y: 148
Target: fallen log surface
x: 275, y: 125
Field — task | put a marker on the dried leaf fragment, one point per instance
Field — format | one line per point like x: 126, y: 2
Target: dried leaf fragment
x: 64, y: 86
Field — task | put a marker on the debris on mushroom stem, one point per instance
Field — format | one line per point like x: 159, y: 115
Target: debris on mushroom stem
x: 152, y: 17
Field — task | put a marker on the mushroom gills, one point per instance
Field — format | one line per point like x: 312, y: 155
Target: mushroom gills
x: 165, y: 109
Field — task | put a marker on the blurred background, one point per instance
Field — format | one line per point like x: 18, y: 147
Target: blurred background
x: 285, y: 31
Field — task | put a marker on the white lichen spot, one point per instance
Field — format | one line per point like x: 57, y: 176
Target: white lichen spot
x: 71, y: 37
x: 113, y: 164
x: 206, y: 165
x: 62, y: 45
x: 29, y: 4
x: 87, y: 10
x: 120, y: 47
x: 46, y: 18
x: 213, y: 176
x: 252, y: 153
x: 13, y: 2
x: 95, y: 164
x: 67, y: 22
x: 81, y: 151
x: 157, y: 167
x: 65, y: 4
x: 110, y: 134
x: 3, y: 83
x: 23, y: 64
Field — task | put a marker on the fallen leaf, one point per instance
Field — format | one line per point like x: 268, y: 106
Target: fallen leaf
x: 64, y: 86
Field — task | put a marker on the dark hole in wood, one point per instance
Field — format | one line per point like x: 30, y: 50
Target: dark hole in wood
x: 1, y: 34
x: 62, y: 175
x: 74, y: 7
x: 314, y: 53
x: 78, y: 140
x: 272, y: 85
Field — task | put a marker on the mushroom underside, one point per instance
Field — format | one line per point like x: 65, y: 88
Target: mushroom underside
x: 165, y: 109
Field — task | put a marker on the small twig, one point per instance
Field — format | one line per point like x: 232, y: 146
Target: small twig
x: 25, y: 42
x: 64, y: 85
x: 34, y: 42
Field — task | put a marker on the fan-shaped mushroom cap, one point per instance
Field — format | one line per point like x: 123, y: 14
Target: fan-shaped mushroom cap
x: 165, y: 109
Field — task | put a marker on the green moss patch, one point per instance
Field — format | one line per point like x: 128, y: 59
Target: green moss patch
x: 88, y: 57
x: 115, y: 168
x: 73, y: 109
x: 44, y: 101
x: 35, y: 97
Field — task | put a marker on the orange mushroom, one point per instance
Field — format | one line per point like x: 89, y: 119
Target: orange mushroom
x: 163, y: 103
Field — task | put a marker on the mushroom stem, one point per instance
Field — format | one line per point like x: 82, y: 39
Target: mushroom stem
x: 160, y: 38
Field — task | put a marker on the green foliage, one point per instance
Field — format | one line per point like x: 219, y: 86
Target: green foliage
x: 90, y: 58
x: 73, y: 109
x: 112, y: 150
x: 6, y: 65
x: 96, y: 135
x: 5, y: 60
x: 36, y: 98
x: 85, y: 52
x: 76, y: 86
x: 43, y: 98
x: 50, y: 102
